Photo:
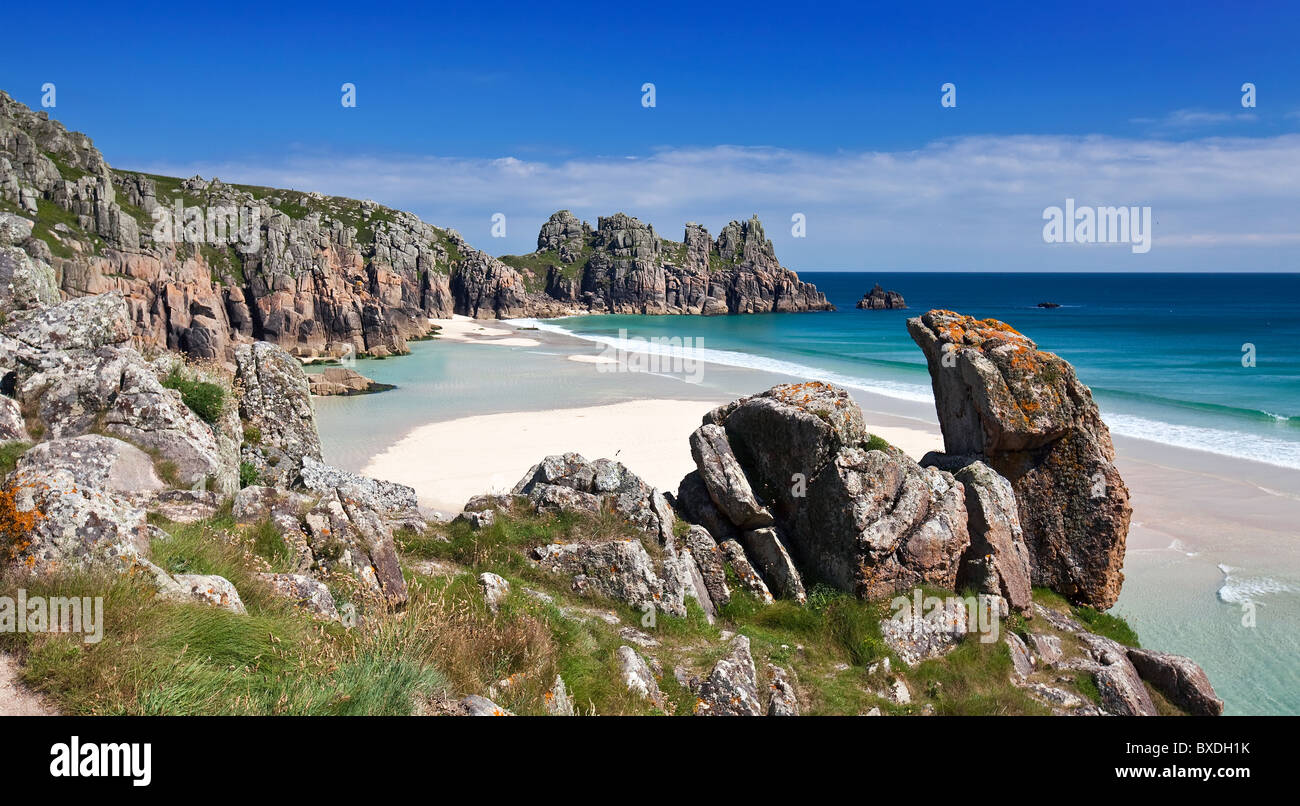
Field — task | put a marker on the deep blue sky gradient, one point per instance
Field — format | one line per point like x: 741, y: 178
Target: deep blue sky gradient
x: 203, y: 81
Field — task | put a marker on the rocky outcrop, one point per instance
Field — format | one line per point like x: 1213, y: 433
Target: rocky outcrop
x: 878, y: 299
x: 1025, y: 413
x: 73, y: 374
x: 275, y: 405
x: 346, y: 535
x: 207, y: 266
x: 569, y: 481
x: 864, y: 518
x: 619, y: 569
x: 731, y: 689
x: 623, y: 266
x: 1181, y: 681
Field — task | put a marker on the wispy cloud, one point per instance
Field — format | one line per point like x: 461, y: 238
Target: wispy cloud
x: 970, y: 202
x: 1194, y: 118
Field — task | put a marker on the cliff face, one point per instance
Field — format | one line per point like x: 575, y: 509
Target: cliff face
x: 204, y: 265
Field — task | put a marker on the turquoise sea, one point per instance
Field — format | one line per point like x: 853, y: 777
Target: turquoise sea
x: 1162, y: 353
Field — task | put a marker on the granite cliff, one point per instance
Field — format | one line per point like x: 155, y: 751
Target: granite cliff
x: 204, y: 265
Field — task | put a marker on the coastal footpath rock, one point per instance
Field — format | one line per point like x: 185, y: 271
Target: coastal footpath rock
x: 731, y: 689
x: 275, y: 405
x: 997, y: 562
x: 1182, y: 681
x: 598, y: 484
x: 878, y: 299
x: 1024, y: 412
x: 864, y: 518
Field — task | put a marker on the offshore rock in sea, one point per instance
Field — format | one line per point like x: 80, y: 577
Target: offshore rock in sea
x: 1025, y: 413
x: 878, y: 299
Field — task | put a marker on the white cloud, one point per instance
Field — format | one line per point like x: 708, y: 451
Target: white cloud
x: 965, y: 203
x: 1191, y: 118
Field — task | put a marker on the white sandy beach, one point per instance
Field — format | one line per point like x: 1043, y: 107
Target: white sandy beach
x: 491, y: 452
x: 466, y: 330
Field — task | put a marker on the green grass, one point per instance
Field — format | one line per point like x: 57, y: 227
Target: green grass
x: 203, y: 398
x: 9, y: 453
x: 248, y: 475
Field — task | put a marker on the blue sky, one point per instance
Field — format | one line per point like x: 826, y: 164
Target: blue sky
x: 468, y: 109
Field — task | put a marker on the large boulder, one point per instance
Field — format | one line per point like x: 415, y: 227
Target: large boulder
x: 1024, y: 412
x: 275, y: 404
x: 72, y: 525
x: 853, y: 513
x: 25, y: 282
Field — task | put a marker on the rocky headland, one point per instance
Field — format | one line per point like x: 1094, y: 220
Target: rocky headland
x: 329, y: 276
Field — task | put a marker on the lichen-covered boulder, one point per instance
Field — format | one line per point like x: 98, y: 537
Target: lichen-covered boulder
x: 1024, y: 412
x: 343, y: 534
x: 306, y: 592
x: 862, y: 517
x: 96, y: 461
x: 71, y: 525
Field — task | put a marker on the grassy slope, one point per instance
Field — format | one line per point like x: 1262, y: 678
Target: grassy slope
x: 160, y: 657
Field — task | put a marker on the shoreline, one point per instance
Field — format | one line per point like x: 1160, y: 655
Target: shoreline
x: 1195, y: 513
